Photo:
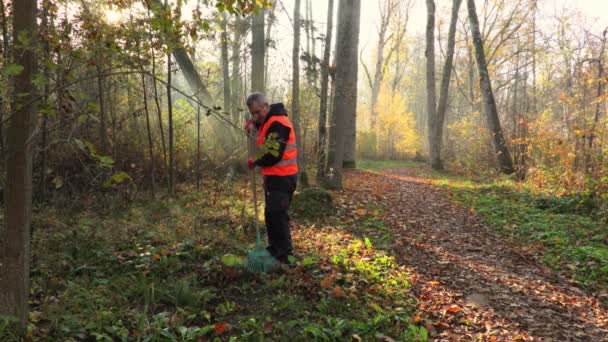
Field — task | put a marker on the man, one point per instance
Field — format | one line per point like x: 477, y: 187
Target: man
x: 278, y: 159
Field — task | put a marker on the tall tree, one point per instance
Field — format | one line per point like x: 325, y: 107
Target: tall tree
x: 431, y: 98
x: 436, y: 135
x: 5, y: 58
x: 505, y: 162
x: 15, y: 249
x: 257, y: 51
x: 295, y: 95
x: 170, y: 114
x: 599, y: 91
x: 46, y: 32
x: 350, y: 119
x: 225, y: 63
x: 324, y: 90
x: 235, y: 82
x: 345, y: 98
x: 272, y: 18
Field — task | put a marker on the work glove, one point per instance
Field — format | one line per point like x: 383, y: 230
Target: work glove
x: 248, y: 126
x: 250, y: 164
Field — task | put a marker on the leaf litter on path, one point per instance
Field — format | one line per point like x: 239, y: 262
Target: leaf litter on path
x: 471, y: 283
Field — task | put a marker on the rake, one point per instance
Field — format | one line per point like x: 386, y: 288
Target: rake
x: 259, y: 260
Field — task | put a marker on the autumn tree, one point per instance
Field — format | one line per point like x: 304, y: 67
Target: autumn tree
x: 322, y: 138
x: 492, y: 120
x: 15, y: 251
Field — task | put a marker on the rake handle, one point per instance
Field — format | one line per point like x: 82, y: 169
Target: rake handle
x: 251, y: 148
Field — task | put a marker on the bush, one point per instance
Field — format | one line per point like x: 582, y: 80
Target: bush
x: 313, y: 202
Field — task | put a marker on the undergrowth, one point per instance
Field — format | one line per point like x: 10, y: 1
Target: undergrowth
x: 171, y: 270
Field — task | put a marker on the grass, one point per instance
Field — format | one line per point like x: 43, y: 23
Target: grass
x: 572, y: 240
x: 171, y: 270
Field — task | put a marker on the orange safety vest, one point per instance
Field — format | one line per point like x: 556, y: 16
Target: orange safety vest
x: 288, y: 165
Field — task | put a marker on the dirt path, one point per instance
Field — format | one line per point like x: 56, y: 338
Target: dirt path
x: 471, y: 283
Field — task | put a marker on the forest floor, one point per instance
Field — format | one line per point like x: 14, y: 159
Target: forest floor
x: 402, y: 253
x: 492, y: 282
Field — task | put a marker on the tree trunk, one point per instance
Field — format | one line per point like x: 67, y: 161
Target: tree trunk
x: 598, y: 94
x: 445, y: 86
x: 47, y: 55
x: 431, y: 99
x: 324, y: 90
x: 257, y: 52
x: 15, y: 249
x: 345, y: 101
x: 157, y: 103
x: 102, y: 113
x: 350, y: 118
x: 271, y: 20
x: 170, y: 113
x: 198, y: 147
x: 5, y: 46
x: 225, y: 65
x: 295, y: 97
x: 236, y: 70
x: 150, y: 144
x: 505, y: 161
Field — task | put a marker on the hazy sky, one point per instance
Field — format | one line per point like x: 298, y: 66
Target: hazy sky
x: 595, y: 10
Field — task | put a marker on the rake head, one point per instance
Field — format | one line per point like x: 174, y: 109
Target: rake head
x: 260, y: 261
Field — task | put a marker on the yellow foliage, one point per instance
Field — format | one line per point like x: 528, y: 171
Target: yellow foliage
x: 396, y: 134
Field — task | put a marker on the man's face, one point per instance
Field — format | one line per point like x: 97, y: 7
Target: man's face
x: 258, y: 111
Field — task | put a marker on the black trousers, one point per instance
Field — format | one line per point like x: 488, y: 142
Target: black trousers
x: 278, y: 192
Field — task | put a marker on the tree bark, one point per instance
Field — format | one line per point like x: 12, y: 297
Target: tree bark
x: 198, y: 147
x: 170, y: 113
x: 102, y: 113
x: 345, y: 101
x: 324, y: 90
x: 157, y: 103
x: 225, y: 64
x: 431, y: 98
x: 445, y: 86
x: 257, y: 52
x: 43, y: 144
x: 150, y: 144
x: 235, y: 85
x: 15, y: 249
x: 295, y: 97
x: 5, y: 46
x: 350, y: 127
x: 271, y: 19
x: 505, y: 161
x: 599, y: 91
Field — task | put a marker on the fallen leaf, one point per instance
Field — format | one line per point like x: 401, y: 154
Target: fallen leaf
x: 326, y: 283
x: 338, y: 292
x: 452, y: 308
x: 220, y: 328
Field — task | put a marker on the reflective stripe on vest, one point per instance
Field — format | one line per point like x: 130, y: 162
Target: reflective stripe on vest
x: 288, y: 165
